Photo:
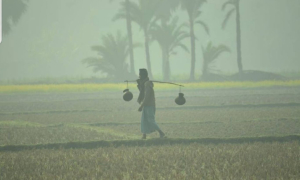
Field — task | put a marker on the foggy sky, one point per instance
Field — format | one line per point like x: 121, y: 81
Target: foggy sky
x: 53, y: 37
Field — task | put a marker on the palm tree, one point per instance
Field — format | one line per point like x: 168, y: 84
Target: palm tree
x: 236, y: 8
x: 192, y: 7
x: 210, y: 54
x: 124, y: 13
x: 143, y: 13
x: 164, y: 14
x: 12, y: 12
x: 166, y: 8
x: 169, y: 36
x: 113, y: 54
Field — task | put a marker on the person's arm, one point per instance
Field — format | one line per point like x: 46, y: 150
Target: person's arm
x: 138, y: 84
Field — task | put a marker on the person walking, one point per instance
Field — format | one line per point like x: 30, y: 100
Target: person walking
x: 146, y: 100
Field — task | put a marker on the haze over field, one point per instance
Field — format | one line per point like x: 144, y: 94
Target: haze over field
x: 52, y: 37
x: 217, y: 95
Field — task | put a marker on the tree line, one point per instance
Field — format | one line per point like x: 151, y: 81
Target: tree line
x: 158, y: 21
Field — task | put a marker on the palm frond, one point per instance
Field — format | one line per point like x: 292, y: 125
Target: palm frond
x: 182, y: 46
x: 228, y: 15
x: 211, y: 53
x: 204, y: 25
x: 230, y: 2
x: 192, y: 7
x: 219, y: 50
x: 112, y: 56
x: 12, y: 11
x: 179, y: 39
x: 169, y: 35
x: 136, y: 13
x: 166, y: 8
x: 119, y: 16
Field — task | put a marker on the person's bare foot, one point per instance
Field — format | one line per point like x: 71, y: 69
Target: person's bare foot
x: 162, y: 135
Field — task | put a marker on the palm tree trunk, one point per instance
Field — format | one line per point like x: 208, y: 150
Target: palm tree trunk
x: 129, y: 32
x: 164, y: 51
x: 148, y: 55
x: 193, y: 52
x: 238, y: 33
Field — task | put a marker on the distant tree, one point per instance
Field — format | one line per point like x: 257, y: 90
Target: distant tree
x: 124, y: 13
x: 113, y: 54
x: 235, y: 8
x: 210, y: 54
x: 192, y: 7
x: 12, y: 10
x: 169, y: 36
x: 143, y: 13
x: 164, y: 13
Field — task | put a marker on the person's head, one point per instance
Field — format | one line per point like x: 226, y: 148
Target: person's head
x: 143, y: 73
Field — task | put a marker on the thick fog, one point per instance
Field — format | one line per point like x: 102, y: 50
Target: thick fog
x: 52, y: 37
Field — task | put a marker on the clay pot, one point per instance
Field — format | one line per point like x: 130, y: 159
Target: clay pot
x: 127, y: 95
x: 180, y: 100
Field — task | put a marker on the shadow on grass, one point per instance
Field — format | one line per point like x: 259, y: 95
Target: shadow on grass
x: 150, y: 142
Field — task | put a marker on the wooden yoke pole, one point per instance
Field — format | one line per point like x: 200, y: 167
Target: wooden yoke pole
x: 161, y: 82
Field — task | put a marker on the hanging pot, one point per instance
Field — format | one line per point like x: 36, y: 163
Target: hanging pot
x: 127, y: 95
x: 180, y: 100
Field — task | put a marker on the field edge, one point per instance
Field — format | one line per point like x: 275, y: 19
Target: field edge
x: 149, y: 142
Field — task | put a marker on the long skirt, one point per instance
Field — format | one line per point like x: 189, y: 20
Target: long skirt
x: 148, y: 124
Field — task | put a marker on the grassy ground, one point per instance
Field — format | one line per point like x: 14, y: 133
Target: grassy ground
x: 111, y: 87
x: 194, y: 161
x: 109, y: 126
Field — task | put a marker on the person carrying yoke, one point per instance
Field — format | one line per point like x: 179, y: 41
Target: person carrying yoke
x: 146, y: 100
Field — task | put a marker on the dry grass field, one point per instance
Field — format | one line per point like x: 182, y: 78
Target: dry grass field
x: 38, y: 119
x: 195, y: 161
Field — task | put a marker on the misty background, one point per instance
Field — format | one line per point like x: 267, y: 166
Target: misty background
x: 53, y: 37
